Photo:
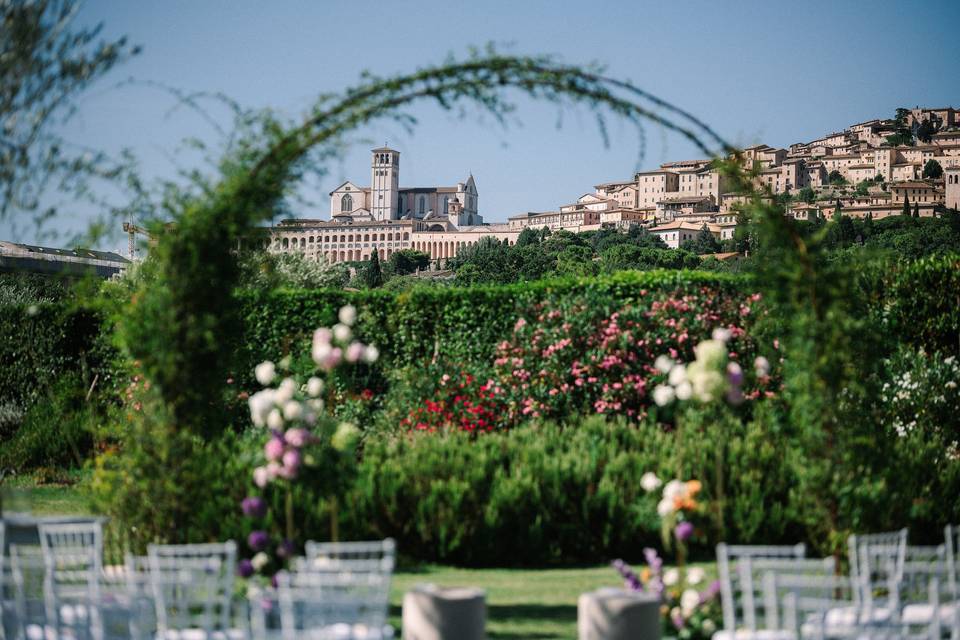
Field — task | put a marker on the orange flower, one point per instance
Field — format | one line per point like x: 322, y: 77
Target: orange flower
x: 645, y: 574
x: 693, y: 487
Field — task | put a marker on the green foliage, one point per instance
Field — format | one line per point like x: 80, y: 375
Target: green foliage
x: 925, y: 131
x: 924, y: 298
x: 407, y: 261
x: 932, y: 170
x: 372, y: 273
x: 55, y: 432
x: 807, y: 194
x: 704, y: 242
x: 558, y: 494
x: 265, y: 270
x: 836, y: 178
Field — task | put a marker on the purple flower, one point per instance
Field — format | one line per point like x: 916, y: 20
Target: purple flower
x: 286, y: 549
x: 254, y: 507
x: 245, y: 568
x: 630, y: 579
x: 257, y: 540
x: 273, y: 581
x: 710, y: 592
x: 654, y: 561
x: 683, y: 531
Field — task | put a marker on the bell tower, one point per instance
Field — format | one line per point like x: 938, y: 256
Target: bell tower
x: 385, y: 184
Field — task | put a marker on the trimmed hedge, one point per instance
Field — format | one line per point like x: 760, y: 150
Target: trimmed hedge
x: 924, y: 304
x: 460, y: 324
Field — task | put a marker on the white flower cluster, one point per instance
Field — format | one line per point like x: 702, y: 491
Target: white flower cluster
x: 926, y: 391
x: 708, y: 378
x: 334, y: 345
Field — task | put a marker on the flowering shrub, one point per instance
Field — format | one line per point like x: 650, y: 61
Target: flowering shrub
x: 686, y: 611
x: 461, y: 401
x: 922, y: 394
x: 304, y: 441
x: 578, y: 356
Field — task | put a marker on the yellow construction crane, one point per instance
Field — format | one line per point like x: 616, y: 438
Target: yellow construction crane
x: 132, y: 230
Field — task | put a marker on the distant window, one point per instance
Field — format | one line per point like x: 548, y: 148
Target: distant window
x: 421, y: 209
x: 346, y: 203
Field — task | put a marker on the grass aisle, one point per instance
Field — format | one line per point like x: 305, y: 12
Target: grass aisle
x: 521, y: 603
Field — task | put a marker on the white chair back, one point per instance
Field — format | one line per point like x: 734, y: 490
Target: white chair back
x: 27, y: 570
x: 333, y: 605
x: 375, y: 556
x: 738, y: 588
x: 143, y: 617
x: 929, y: 604
x: 73, y: 559
x: 192, y: 587
x: 811, y: 602
x: 876, y: 567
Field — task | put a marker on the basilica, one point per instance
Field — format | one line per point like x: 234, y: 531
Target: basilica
x: 386, y: 218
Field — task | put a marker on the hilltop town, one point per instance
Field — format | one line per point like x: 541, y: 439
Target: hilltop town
x: 875, y: 168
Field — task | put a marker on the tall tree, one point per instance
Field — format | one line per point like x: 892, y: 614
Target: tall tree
x: 373, y: 273
x: 906, y: 205
x: 932, y: 170
x: 916, y: 209
x: 46, y: 63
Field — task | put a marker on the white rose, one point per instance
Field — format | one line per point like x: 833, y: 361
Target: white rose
x: 762, y: 366
x: 664, y: 364
x: 671, y: 577
x: 292, y: 410
x: 260, y: 404
x: 320, y: 352
x: 695, y: 575
x: 678, y: 374
x: 348, y: 315
x: 314, y: 386
x: 371, y: 355
x: 711, y: 353
x: 663, y: 395
x: 722, y: 334
x: 259, y: 561
x: 674, y: 489
x: 342, y: 333
x: 649, y: 481
x: 708, y: 626
x: 261, y: 476
x: 665, y: 507
x: 285, y: 391
x: 684, y: 390
x: 689, y: 601
x: 275, y: 420
x: 265, y: 372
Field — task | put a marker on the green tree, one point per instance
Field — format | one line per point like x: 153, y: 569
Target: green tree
x: 925, y: 131
x: 407, y: 261
x: 916, y: 209
x: 47, y: 63
x: 807, y: 194
x: 704, y: 242
x: 906, y: 206
x: 836, y: 178
x: 932, y: 170
x: 372, y: 273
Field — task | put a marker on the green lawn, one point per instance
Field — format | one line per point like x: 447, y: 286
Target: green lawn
x: 521, y: 603
x: 23, y: 493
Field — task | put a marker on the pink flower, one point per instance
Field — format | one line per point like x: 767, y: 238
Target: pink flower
x: 273, y: 450
x: 355, y: 351
x: 261, y: 477
x: 291, y: 459
x: 296, y: 437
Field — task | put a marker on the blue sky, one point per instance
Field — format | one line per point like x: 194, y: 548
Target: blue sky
x: 772, y: 72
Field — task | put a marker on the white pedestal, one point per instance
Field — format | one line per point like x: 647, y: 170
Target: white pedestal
x: 444, y: 613
x: 618, y: 614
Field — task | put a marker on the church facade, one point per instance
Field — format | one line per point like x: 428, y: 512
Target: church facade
x: 386, y: 218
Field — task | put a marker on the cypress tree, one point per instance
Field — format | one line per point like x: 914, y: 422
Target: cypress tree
x: 906, y: 205
x: 916, y: 209
x: 373, y: 276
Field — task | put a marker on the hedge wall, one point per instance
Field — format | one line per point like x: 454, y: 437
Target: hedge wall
x: 42, y: 342
x: 459, y: 323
